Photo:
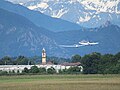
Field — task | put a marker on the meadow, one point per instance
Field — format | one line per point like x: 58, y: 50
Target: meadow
x: 60, y: 82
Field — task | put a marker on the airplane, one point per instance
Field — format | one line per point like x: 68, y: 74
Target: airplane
x: 86, y: 43
x: 82, y: 43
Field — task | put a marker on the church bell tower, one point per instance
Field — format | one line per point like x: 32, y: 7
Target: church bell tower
x: 43, y: 56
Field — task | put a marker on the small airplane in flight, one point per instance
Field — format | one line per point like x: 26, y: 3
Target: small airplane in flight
x: 81, y: 43
x: 86, y: 43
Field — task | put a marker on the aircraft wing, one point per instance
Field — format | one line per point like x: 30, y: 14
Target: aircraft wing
x: 71, y: 46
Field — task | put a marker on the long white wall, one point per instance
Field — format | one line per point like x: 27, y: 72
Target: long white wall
x: 21, y: 67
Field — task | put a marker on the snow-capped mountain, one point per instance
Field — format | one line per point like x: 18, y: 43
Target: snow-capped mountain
x: 20, y: 35
x: 39, y: 19
x: 87, y: 13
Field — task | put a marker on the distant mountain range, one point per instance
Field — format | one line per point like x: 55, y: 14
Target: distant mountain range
x: 86, y: 13
x: 40, y: 19
x: 107, y: 35
x: 20, y: 34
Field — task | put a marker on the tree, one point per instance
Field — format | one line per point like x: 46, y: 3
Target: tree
x: 18, y: 72
x: 42, y: 70
x: 13, y: 72
x: 76, y: 58
x: 6, y: 61
x: 51, y: 70
x: 54, y: 62
x: 64, y: 71
x: 106, y: 64
x: 21, y: 60
x: 90, y: 63
x: 117, y: 56
x: 26, y: 70
x: 74, y: 70
x: 3, y: 72
x: 34, y: 69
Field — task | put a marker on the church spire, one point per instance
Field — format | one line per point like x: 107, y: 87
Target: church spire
x: 43, y: 56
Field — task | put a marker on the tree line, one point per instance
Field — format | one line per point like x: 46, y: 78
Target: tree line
x: 94, y: 63
x: 22, y: 60
x: 42, y: 71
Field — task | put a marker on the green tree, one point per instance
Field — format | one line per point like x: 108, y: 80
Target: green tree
x: 6, y: 61
x: 74, y: 70
x: 117, y: 56
x: 21, y: 60
x: 26, y: 70
x: 64, y: 71
x: 3, y: 72
x: 34, y: 69
x: 42, y: 70
x: 106, y: 64
x: 90, y: 63
x: 51, y: 70
x: 13, y: 72
x: 18, y: 72
x: 76, y: 58
x: 116, y: 64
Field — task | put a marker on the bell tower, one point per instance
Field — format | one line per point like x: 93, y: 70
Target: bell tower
x: 43, y: 56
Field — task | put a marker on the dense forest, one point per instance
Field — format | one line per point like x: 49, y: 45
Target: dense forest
x: 94, y: 63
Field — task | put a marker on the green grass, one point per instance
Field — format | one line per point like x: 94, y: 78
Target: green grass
x: 60, y: 82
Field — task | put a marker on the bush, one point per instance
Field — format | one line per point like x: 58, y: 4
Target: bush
x: 3, y: 72
x: 34, y: 69
x: 42, y: 70
x: 51, y: 70
x: 18, y: 72
x: 26, y: 70
x: 74, y: 70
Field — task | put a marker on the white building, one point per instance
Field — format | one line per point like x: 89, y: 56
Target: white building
x: 43, y: 65
x: 20, y: 68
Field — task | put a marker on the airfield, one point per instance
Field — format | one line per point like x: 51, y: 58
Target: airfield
x: 60, y: 82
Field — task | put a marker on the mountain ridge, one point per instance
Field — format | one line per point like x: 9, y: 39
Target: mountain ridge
x: 39, y: 19
x: 86, y: 13
x: 107, y: 36
x: 18, y: 35
x: 23, y: 37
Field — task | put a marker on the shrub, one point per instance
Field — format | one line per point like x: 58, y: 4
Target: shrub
x: 3, y: 72
x: 42, y: 70
x: 51, y: 70
x: 34, y: 69
x: 26, y: 70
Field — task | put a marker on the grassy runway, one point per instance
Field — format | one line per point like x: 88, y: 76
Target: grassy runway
x: 60, y: 82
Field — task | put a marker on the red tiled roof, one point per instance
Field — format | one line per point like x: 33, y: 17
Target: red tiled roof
x: 50, y: 63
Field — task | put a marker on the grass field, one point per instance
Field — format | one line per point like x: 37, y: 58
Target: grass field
x: 60, y: 82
